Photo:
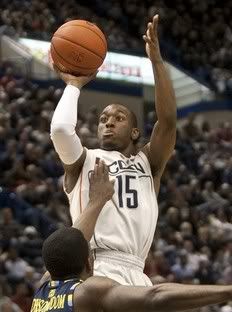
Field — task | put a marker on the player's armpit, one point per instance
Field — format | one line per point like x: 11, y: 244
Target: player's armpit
x: 160, y: 147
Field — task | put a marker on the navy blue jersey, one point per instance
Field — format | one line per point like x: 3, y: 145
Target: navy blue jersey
x: 55, y: 296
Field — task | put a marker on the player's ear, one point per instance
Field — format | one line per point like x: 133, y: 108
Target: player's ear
x: 135, y: 134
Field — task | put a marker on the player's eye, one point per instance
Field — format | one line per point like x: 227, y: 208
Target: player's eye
x: 103, y: 119
x: 120, y: 118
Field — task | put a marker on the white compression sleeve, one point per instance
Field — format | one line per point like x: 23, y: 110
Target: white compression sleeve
x: 63, y: 134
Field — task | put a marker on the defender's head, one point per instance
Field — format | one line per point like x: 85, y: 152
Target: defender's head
x: 117, y: 128
x: 66, y: 254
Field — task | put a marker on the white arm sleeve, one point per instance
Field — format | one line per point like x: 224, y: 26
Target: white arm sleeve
x: 63, y: 134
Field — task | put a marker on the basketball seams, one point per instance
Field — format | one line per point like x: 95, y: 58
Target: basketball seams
x: 66, y: 61
x: 78, y: 44
x: 96, y: 33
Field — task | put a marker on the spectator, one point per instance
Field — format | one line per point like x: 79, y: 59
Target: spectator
x: 183, y: 270
x: 15, y: 266
x: 23, y: 297
x: 30, y: 245
x: 205, y: 273
x: 9, y: 228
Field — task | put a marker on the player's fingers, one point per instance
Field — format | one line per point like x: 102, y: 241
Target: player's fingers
x: 91, y: 176
x: 101, y: 168
x: 59, y: 72
x: 151, y: 31
x: 94, y: 74
x: 95, y: 171
x: 63, y: 75
x: 155, y: 23
x: 97, y: 160
x: 146, y: 39
x: 148, y: 32
x: 50, y: 60
x: 56, y: 69
x: 89, y: 77
x: 105, y: 171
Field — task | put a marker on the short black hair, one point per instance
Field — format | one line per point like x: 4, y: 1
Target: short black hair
x: 65, y: 253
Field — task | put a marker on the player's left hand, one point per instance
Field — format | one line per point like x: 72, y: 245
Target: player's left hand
x: 152, y: 41
x: 101, y: 188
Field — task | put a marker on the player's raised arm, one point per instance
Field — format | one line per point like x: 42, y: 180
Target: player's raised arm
x: 63, y: 134
x: 162, y: 298
x: 101, y: 190
x: 163, y: 137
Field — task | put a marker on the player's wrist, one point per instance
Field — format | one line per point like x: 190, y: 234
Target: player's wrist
x: 97, y: 203
x: 157, y: 60
x: 74, y: 84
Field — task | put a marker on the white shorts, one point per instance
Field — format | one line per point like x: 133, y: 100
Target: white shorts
x: 124, y: 268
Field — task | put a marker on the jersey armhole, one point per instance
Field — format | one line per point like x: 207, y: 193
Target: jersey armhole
x: 73, y: 288
x: 144, y: 159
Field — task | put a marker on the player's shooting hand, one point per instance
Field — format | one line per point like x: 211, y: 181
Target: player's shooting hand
x: 76, y: 81
x: 152, y: 41
x: 101, y: 188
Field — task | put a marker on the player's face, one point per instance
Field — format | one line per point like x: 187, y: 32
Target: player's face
x: 115, y: 128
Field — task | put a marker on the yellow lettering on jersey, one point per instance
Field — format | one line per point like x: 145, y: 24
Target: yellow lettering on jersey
x: 37, y: 305
x: 56, y: 302
x: 40, y: 305
x: 61, y: 301
x: 51, y: 293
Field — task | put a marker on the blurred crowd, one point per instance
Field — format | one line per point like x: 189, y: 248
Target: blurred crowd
x: 193, y: 242
x: 196, y: 35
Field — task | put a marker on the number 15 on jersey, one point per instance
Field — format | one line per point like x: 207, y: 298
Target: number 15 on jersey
x: 127, y: 196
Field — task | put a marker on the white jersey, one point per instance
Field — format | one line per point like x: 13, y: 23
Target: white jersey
x: 127, y: 222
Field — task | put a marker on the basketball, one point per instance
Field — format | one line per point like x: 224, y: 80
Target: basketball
x: 78, y: 47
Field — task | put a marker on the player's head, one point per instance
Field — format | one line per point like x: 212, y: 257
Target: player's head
x: 117, y: 128
x: 66, y: 254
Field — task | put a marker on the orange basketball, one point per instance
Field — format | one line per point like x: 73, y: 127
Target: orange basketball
x: 78, y: 47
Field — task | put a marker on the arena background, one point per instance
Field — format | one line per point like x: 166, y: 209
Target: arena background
x: 193, y: 242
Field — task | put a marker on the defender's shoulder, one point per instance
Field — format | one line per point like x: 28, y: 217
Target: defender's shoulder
x: 98, y: 284
x: 88, y: 295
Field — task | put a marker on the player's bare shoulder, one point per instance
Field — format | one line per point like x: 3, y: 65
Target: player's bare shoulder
x: 88, y: 295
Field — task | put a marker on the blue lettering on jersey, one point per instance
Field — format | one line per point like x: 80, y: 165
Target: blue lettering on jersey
x: 119, y: 166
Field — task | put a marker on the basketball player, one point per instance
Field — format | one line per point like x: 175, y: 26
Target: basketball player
x: 126, y: 226
x: 69, y: 262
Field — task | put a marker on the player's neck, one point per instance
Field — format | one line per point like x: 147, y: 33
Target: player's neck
x: 68, y: 277
x: 130, y: 150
